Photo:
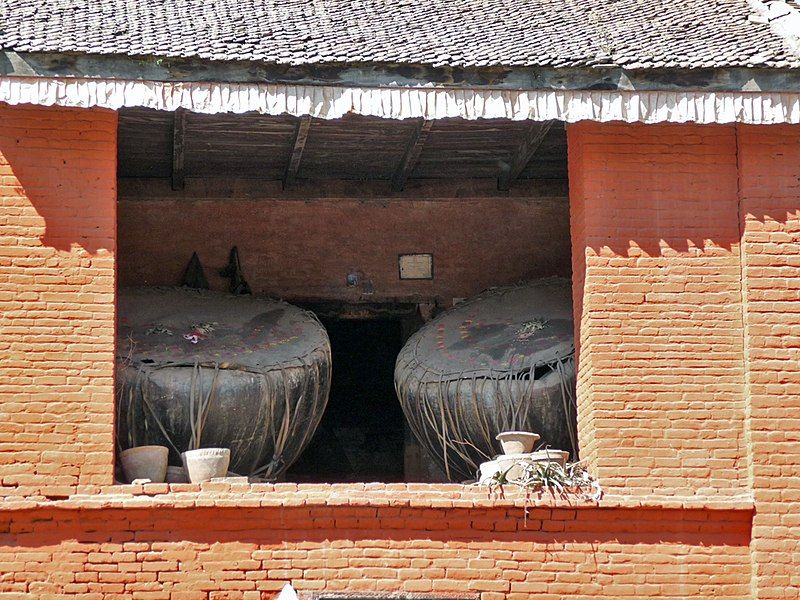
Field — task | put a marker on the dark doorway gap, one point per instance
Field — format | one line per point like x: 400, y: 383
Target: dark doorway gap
x: 360, y: 437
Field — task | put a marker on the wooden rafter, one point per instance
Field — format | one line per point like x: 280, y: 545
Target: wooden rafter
x: 300, y: 137
x: 411, y: 155
x: 178, y: 143
x: 524, y: 153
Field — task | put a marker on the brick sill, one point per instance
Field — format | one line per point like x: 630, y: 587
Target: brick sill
x: 376, y: 495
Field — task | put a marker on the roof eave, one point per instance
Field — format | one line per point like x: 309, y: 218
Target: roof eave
x: 597, y: 77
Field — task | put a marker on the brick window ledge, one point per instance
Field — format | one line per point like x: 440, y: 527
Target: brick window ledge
x: 373, y: 495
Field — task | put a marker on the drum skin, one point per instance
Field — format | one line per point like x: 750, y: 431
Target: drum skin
x: 501, y: 361
x: 256, y: 376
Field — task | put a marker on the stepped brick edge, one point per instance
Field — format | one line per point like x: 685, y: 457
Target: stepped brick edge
x: 212, y: 494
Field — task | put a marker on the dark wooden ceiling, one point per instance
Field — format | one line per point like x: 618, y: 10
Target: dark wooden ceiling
x: 354, y: 147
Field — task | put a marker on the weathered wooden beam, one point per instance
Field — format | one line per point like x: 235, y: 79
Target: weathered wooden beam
x: 71, y: 64
x: 300, y: 137
x: 524, y: 153
x: 178, y: 147
x: 411, y: 156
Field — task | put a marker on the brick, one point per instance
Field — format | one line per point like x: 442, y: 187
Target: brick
x: 685, y: 258
x: 60, y: 202
x: 770, y: 220
x: 657, y: 272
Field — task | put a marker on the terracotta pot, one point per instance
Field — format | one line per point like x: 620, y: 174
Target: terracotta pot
x: 517, y: 442
x: 206, y: 463
x: 145, y: 462
x: 177, y: 475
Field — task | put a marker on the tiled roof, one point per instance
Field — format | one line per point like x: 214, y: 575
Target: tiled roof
x: 461, y: 33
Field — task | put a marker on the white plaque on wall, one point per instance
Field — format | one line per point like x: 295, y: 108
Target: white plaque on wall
x: 416, y: 266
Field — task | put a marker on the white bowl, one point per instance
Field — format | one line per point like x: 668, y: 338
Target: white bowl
x: 514, y: 465
x: 550, y: 455
x: 517, y: 442
x: 488, y: 470
x: 206, y: 463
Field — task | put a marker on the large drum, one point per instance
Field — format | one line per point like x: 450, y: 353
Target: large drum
x: 207, y: 369
x: 502, y: 361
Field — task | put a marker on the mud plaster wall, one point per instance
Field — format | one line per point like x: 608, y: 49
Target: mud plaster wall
x: 305, y: 248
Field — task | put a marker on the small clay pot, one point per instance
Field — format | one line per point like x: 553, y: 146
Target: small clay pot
x: 517, y: 442
x: 206, y: 463
x: 145, y: 462
x: 177, y: 475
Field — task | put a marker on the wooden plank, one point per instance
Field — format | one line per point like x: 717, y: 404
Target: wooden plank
x: 178, y: 147
x: 144, y: 144
x: 300, y: 138
x: 240, y: 145
x: 357, y: 147
x: 411, y: 156
x: 530, y: 144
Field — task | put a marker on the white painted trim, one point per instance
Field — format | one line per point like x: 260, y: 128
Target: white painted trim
x: 330, y: 102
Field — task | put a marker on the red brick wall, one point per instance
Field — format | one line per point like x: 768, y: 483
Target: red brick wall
x: 657, y: 283
x: 687, y: 288
x: 458, y: 546
x: 57, y: 239
x: 304, y: 248
x: 586, y: 423
x: 769, y: 159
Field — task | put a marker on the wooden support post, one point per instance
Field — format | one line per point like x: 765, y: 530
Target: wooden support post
x: 178, y: 142
x: 530, y: 144
x: 411, y: 155
x: 300, y: 137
